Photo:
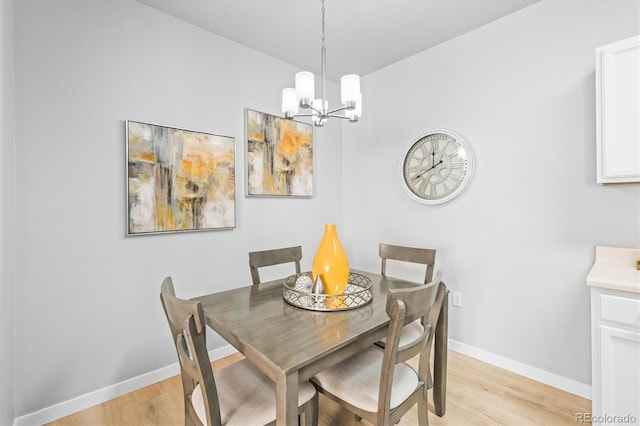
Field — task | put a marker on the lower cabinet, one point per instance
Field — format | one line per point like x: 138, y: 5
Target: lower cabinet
x: 615, y: 341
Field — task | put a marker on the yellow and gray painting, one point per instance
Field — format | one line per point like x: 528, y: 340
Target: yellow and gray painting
x: 279, y: 156
x: 179, y: 180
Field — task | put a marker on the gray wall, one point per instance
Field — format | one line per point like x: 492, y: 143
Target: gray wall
x: 87, y: 296
x: 520, y: 241
x: 7, y: 216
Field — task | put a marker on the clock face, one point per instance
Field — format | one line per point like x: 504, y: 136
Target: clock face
x: 436, y: 167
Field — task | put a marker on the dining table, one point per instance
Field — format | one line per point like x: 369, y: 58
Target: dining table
x: 290, y: 344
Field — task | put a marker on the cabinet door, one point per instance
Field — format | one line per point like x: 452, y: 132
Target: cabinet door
x: 620, y: 372
x: 617, y: 111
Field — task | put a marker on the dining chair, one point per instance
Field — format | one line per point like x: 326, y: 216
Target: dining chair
x: 239, y: 394
x: 413, y: 255
x: 377, y: 384
x: 259, y: 259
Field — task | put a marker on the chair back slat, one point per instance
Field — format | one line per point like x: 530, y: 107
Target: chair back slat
x: 259, y: 259
x: 411, y: 349
x: 409, y: 254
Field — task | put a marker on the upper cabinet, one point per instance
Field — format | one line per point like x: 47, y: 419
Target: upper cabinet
x: 618, y: 111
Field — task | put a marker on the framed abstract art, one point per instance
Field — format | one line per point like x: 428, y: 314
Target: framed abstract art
x: 279, y: 156
x: 178, y: 180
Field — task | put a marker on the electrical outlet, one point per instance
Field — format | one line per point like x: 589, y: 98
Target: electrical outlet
x: 457, y: 299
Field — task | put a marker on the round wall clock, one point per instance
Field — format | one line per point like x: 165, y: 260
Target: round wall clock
x: 436, y: 167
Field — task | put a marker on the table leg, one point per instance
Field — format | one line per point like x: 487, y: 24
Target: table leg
x: 440, y: 358
x: 287, y: 399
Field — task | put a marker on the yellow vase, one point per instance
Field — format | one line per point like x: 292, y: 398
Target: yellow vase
x: 331, y: 262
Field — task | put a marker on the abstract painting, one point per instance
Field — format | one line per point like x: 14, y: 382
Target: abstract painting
x: 179, y: 180
x: 279, y: 157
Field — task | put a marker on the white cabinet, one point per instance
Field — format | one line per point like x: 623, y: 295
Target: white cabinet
x: 615, y: 336
x: 618, y: 111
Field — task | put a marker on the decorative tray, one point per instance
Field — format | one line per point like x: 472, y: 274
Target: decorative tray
x: 297, y: 291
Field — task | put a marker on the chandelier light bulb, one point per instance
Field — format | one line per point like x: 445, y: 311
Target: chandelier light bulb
x: 349, y: 90
x: 305, y: 88
x: 318, y: 105
x: 355, y: 113
x: 289, y: 102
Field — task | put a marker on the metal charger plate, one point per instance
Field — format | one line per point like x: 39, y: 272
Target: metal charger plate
x: 297, y: 291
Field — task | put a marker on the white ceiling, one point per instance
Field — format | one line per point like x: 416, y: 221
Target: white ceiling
x: 362, y: 36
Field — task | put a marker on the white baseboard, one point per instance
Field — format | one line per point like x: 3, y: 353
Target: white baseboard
x: 99, y: 396
x: 537, y: 374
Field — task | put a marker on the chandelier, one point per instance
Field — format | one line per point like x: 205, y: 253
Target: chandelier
x: 302, y: 96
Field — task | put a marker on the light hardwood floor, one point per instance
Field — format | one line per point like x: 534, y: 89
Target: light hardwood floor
x: 477, y: 394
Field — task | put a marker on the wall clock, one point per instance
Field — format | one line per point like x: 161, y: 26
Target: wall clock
x: 436, y: 167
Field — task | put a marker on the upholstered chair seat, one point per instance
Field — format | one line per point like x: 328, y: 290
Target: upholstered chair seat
x: 362, y: 371
x: 243, y: 385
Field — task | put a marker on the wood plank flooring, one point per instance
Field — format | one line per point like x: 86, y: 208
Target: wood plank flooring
x: 477, y: 394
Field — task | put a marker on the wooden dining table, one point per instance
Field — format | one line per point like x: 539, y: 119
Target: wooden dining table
x: 290, y: 344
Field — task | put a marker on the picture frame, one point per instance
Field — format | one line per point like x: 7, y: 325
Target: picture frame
x: 278, y: 156
x: 178, y: 180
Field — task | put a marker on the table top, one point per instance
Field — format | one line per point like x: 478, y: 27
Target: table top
x: 258, y: 322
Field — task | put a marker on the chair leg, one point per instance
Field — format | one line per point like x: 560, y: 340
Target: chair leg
x: 423, y: 409
x: 311, y: 412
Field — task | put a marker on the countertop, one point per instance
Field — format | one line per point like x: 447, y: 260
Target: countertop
x: 615, y: 268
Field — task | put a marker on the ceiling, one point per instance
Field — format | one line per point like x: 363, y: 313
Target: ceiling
x: 362, y: 36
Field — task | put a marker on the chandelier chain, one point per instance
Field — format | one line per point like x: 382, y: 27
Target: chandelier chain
x: 323, y: 23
